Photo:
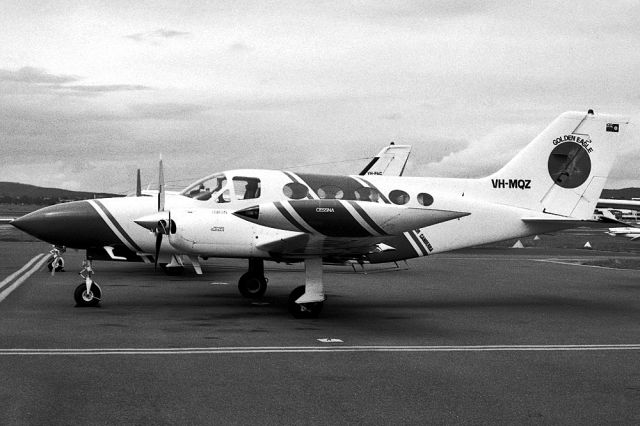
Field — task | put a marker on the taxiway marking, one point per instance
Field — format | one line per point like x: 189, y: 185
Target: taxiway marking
x: 316, y: 349
x: 576, y: 262
x: 23, y: 273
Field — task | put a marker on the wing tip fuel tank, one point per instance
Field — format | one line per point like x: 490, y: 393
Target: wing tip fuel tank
x: 337, y: 218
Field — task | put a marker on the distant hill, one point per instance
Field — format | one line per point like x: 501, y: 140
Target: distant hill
x: 623, y: 194
x: 19, y: 193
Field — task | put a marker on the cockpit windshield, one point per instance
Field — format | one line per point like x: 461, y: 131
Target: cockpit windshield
x: 221, y: 190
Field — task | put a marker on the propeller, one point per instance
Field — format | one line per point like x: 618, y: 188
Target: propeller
x: 159, y: 223
x: 161, y: 228
x: 138, y: 184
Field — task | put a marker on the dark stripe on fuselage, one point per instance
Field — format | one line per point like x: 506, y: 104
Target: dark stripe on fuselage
x: 288, y: 216
x: 415, y: 238
x: 347, y: 184
x: 329, y: 217
x: 403, y: 247
x: 117, y: 225
x: 403, y: 250
x: 367, y: 218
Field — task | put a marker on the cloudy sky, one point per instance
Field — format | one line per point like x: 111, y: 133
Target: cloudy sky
x: 92, y: 90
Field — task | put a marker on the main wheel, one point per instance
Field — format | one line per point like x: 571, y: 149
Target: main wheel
x: 92, y: 298
x: 172, y: 271
x: 252, y: 286
x: 303, y: 310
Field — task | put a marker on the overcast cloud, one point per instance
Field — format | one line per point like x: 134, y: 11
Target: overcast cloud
x: 89, y: 91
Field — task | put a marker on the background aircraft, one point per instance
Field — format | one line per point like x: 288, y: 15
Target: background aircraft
x: 553, y: 183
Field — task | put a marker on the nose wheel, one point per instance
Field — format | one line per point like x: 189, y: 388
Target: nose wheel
x: 87, y: 298
x: 87, y: 294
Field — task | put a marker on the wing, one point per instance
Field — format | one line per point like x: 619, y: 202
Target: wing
x: 306, y: 245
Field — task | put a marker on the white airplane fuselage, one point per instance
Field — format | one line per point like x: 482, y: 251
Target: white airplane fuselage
x: 210, y: 229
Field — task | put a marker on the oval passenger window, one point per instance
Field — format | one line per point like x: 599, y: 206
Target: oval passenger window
x: 367, y: 194
x: 330, y: 192
x: 295, y: 191
x: 425, y: 199
x: 399, y: 197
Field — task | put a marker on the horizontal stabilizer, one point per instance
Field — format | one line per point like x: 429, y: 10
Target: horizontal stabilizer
x: 562, y: 221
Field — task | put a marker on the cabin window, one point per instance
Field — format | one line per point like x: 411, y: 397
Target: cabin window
x: 367, y: 194
x: 205, y: 190
x: 399, y: 197
x: 425, y: 199
x: 330, y: 192
x: 246, y: 188
x: 295, y: 191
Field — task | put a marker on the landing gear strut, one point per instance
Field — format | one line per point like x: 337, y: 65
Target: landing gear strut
x: 253, y: 284
x: 173, y: 268
x: 306, y: 301
x: 88, y: 293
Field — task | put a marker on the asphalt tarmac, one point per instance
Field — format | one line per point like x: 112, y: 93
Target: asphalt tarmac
x: 490, y: 335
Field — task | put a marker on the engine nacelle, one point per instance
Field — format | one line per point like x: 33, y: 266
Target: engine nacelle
x: 215, y: 232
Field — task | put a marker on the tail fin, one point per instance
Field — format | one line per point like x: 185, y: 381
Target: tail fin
x: 389, y: 162
x: 564, y: 169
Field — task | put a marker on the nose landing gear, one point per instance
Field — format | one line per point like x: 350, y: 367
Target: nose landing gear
x: 88, y: 293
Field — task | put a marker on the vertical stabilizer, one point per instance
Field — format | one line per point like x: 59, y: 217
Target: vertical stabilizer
x: 564, y: 169
x: 389, y: 162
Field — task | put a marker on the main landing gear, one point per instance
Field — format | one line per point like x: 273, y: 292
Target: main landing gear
x: 253, y: 284
x: 88, y: 293
x: 305, y: 301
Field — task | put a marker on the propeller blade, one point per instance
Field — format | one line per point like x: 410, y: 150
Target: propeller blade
x: 138, y: 184
x: 158, y: 244
x: 161, y: 187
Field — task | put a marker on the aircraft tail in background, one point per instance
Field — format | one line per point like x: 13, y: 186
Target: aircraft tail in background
x: 391, y: 161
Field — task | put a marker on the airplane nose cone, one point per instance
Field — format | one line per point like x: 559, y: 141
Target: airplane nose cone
x: 75, y: 225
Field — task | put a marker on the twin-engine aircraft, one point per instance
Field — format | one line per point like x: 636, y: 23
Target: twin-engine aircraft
x: 553, y: 183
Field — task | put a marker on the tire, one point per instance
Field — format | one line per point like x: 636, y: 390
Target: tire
x: 84, y: 300
x: 306, y: 310
x: 172, y: 271
x: 252, y: 286
x: 59, y: 268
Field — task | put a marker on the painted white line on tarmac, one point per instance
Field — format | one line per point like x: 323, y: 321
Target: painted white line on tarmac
x: 576, y: 263
x: 22, y: 274
x: 317, y: 349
